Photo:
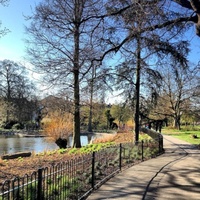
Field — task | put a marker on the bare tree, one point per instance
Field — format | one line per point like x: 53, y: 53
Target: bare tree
x: 179, y: 89
x: 96, y: 85
x: 146, y: 49
x: 61, y: 44
x: 164, y: 15
x: 15, y: 89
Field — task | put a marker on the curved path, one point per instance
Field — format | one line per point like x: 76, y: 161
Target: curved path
x: 175, y: 175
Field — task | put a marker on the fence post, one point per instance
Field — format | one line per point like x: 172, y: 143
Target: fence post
x: 39, y: 186
x: 142, y: 150
x: 93, y: 170
x: 120, y: 157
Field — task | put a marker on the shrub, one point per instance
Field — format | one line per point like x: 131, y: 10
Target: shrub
x: 58, y: 126
x: 18, y: 126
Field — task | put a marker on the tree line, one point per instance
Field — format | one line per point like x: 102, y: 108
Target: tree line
x: 17, y: 95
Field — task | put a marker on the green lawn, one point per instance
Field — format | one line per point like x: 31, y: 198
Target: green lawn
x: 186, y: 134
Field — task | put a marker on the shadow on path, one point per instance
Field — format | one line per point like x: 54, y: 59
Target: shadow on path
x: 173, y: 175
x: 177, y: 179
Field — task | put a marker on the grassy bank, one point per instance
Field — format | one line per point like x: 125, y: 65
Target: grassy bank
x: 27, y: 165
x: 189, y: 134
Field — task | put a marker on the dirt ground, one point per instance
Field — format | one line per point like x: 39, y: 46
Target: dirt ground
x: 21, y: 166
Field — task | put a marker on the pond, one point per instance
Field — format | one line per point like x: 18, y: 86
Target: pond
x: 14, y: 144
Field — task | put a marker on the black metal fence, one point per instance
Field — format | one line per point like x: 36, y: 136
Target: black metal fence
x: 75, y: 179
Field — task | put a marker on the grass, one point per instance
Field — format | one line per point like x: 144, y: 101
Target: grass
x: 189, y: 134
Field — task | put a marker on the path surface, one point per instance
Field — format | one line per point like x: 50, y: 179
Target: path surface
x: 175, y: 175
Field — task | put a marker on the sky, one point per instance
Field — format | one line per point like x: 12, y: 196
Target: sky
x: 12, y: 45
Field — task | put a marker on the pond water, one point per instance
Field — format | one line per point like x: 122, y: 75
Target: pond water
x: 13, y: 144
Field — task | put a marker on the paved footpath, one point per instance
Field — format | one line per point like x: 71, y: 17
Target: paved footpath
x: 175, y: 175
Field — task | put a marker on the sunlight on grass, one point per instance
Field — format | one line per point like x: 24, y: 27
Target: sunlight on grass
x: 188, y: 134
x: 144, y: 137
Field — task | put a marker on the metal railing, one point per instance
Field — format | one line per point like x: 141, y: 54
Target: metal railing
x: 76, y: 178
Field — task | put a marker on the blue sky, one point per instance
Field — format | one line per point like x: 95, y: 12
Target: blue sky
x: 12, y: 45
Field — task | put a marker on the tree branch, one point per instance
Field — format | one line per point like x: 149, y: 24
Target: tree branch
x: 139, y: 32
x: 184, y: 3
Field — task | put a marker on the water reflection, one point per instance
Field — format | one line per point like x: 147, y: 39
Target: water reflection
x: 16, y: 144
x: 13, y: 144
x: 85, y: 139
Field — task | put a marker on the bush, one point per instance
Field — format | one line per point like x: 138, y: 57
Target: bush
x: 18, y: 126
x: 9, y: 124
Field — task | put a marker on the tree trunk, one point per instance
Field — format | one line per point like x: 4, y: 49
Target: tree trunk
x: 137, y: 92
x: 177, y: 123
x: 76, y: 134
x: 90, y: 119
x: 91, y: 100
